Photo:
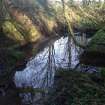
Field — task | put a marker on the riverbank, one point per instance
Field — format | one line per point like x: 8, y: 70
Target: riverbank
x: 77, y: 88
x: 94, y: 54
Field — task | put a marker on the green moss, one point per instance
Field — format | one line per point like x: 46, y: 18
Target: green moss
x: 97, y: 43
x: 17, y: 54
x: 76, y: 88
x: 102, y: 72
x: 11, y: 31
x: 99, y: 37
x: 94, y: 54
x: 9, y: 59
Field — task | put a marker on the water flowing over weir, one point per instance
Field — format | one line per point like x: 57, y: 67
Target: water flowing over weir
x: 44, y: 64
x: 40, y: 70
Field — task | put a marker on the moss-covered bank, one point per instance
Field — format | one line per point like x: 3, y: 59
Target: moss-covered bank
x: 94, y: 54
x: 76, y: 88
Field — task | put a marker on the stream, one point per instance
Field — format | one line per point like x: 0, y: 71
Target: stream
x: 40, y: 70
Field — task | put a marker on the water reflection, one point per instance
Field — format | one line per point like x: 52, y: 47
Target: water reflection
x: 40, y: 70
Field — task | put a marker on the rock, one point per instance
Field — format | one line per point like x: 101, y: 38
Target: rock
x: 94, y: 54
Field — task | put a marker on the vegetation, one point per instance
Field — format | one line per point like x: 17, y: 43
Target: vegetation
x: 45, y: 21
x: 94, y: 53
x: 27, y: 25
x: 76, y: 88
